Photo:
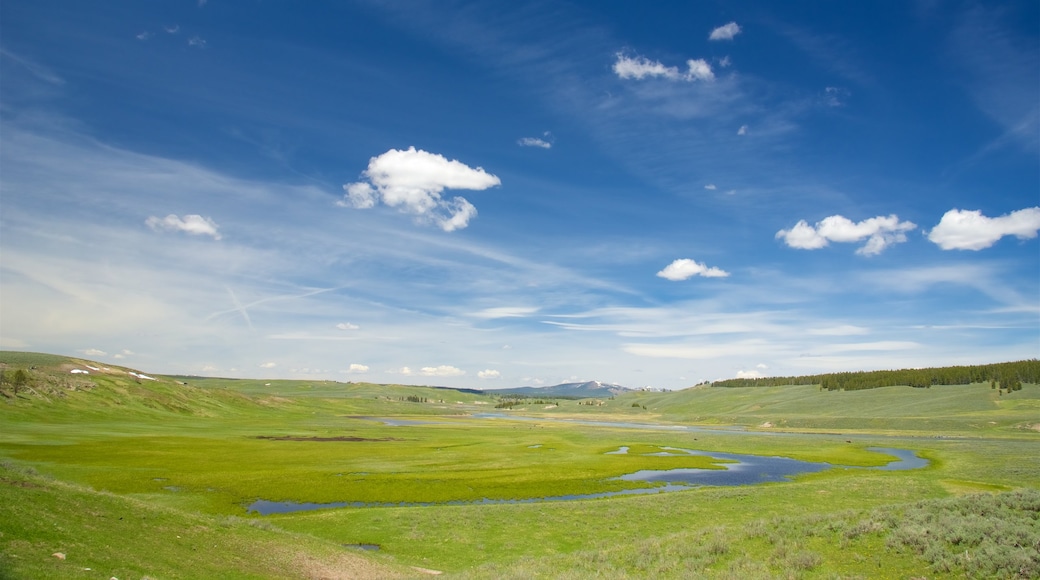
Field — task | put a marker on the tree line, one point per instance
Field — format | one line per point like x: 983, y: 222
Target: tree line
x: 1009, y: 376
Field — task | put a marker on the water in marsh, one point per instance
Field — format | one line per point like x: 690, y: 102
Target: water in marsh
x: 737, y: 469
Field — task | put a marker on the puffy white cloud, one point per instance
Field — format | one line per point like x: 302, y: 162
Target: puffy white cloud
x: 192, y: 224
x: 489, y: 374
x: 268, y: 365
x: 710, y: 187
x: 880, y: 233
x: 357, y: 368
x: 748, y: 374
x: 699, y: 70
x: 347, y: 326
x: 442, y: 371
x: 360, y: 195
x: 742, y: 130
x: 684, y: 268
x: 412, y: 181
x: 725, y: 32
x: 970, y: 230
x: 197, y: 42
x: 640, y: 67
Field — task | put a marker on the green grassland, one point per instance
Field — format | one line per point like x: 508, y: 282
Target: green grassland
x: 111, y: 467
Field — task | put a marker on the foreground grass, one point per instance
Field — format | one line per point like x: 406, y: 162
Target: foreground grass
x: 977, y: 536
x: 107, y: 535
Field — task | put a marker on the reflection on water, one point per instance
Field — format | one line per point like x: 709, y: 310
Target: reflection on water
x: 908, y: 459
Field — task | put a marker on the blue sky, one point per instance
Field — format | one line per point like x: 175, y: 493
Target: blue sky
x: 496, y: 194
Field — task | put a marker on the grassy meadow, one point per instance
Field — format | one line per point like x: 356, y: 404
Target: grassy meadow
x: 133, y: 475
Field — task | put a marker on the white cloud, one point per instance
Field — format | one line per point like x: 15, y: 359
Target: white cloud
x: 843, y: 330
x: 725, y: 32
x: 489, y: 374
x: 880, y: 233
x: 268, y: 365
x: 710, y: 187
x: 412, y: 181
x: 347, y: 326
x: 360, y: 195
x: 192, y: 224
x: 835, y: 96
x: 640, y: 67
x: 172, y: 29
x: 534, y: 142
x: 93, y: 352
x: 725, y: 61
x: 742, y: 130
x: 197, y: 42
x: 442, y: 371
x: 144, y: 35
x: 970, y: 230
x: 748, y: 374
x: 37, y: 70
x: 356, y: 368
x: 700, y: 70
x: 506, y: 312
x: 683, y: 269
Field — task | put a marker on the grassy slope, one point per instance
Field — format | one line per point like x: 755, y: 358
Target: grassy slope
x: 108, y: 535
x: 201, y: 439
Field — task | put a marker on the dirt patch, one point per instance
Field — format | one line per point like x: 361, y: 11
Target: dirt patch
x: 1035, y: 427
x: 340, y: 567
x: 338, y: 438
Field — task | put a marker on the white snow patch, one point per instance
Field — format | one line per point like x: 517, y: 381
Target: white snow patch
x: 143, y: 376
x: 79, y: 372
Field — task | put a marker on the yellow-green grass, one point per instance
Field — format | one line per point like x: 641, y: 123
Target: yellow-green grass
x: 195, y: 450
x: 54, y: 529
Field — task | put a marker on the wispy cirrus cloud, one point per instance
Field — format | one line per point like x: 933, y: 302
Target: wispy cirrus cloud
x: 970, y: 230
x: 412, y: 181
x: 506, y: 312
x: 543, y: 142
x: 34, y: 68
x: 880, y: 233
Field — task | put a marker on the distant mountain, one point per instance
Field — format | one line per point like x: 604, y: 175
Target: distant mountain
x: 576, y: 390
